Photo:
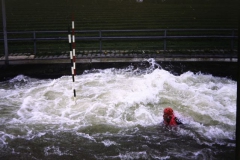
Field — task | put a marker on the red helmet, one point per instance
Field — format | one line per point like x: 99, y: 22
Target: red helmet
x: 168, y: 111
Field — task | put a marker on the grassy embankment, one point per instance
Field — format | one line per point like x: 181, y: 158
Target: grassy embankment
x: 41, y: 15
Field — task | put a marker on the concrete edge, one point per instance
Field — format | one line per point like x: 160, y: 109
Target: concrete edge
x: 106, y: 59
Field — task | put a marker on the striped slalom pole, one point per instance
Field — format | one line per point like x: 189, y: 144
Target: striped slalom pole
x: 73, y: 47
x: 73, y: 55
x: 70, y: 44
x: 71, y: 39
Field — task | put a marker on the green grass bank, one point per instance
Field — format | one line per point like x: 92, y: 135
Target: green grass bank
x: 52, y: 15
x: 25, y: 15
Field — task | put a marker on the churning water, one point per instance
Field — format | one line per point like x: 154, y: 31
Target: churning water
x: 118, y: 115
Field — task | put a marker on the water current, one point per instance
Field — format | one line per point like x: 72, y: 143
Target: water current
x: 117, y: 114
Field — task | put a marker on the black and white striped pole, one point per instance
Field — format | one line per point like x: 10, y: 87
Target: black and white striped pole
x: 73, y: 48
x: 71, y: 39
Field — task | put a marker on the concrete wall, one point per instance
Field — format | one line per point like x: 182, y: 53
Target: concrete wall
x: 222, y: 69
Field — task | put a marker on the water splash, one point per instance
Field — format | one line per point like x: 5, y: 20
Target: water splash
x: 119, y: 102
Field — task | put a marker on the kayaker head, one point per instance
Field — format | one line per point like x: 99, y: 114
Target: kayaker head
x: 169, y: 117
x: 168, y: 111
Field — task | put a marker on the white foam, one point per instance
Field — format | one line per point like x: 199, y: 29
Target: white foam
x: 134, y: 155
x: 123, y: 98
x: 54, y: 150
x: 108, y: 143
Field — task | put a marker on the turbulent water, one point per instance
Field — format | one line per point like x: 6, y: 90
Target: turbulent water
x: 117, y: 114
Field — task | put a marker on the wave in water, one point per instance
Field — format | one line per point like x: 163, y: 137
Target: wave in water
x: 119, y: 102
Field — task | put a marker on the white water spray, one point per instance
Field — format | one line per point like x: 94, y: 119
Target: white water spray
x: 119, y: 98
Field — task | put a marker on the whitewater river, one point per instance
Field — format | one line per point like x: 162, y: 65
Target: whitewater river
x: 117, y: 114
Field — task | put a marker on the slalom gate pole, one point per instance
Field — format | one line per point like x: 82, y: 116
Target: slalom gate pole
x: 74, y: 56
x: 73, y: 47
x: 70, y: 43
x: 71, y: 39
